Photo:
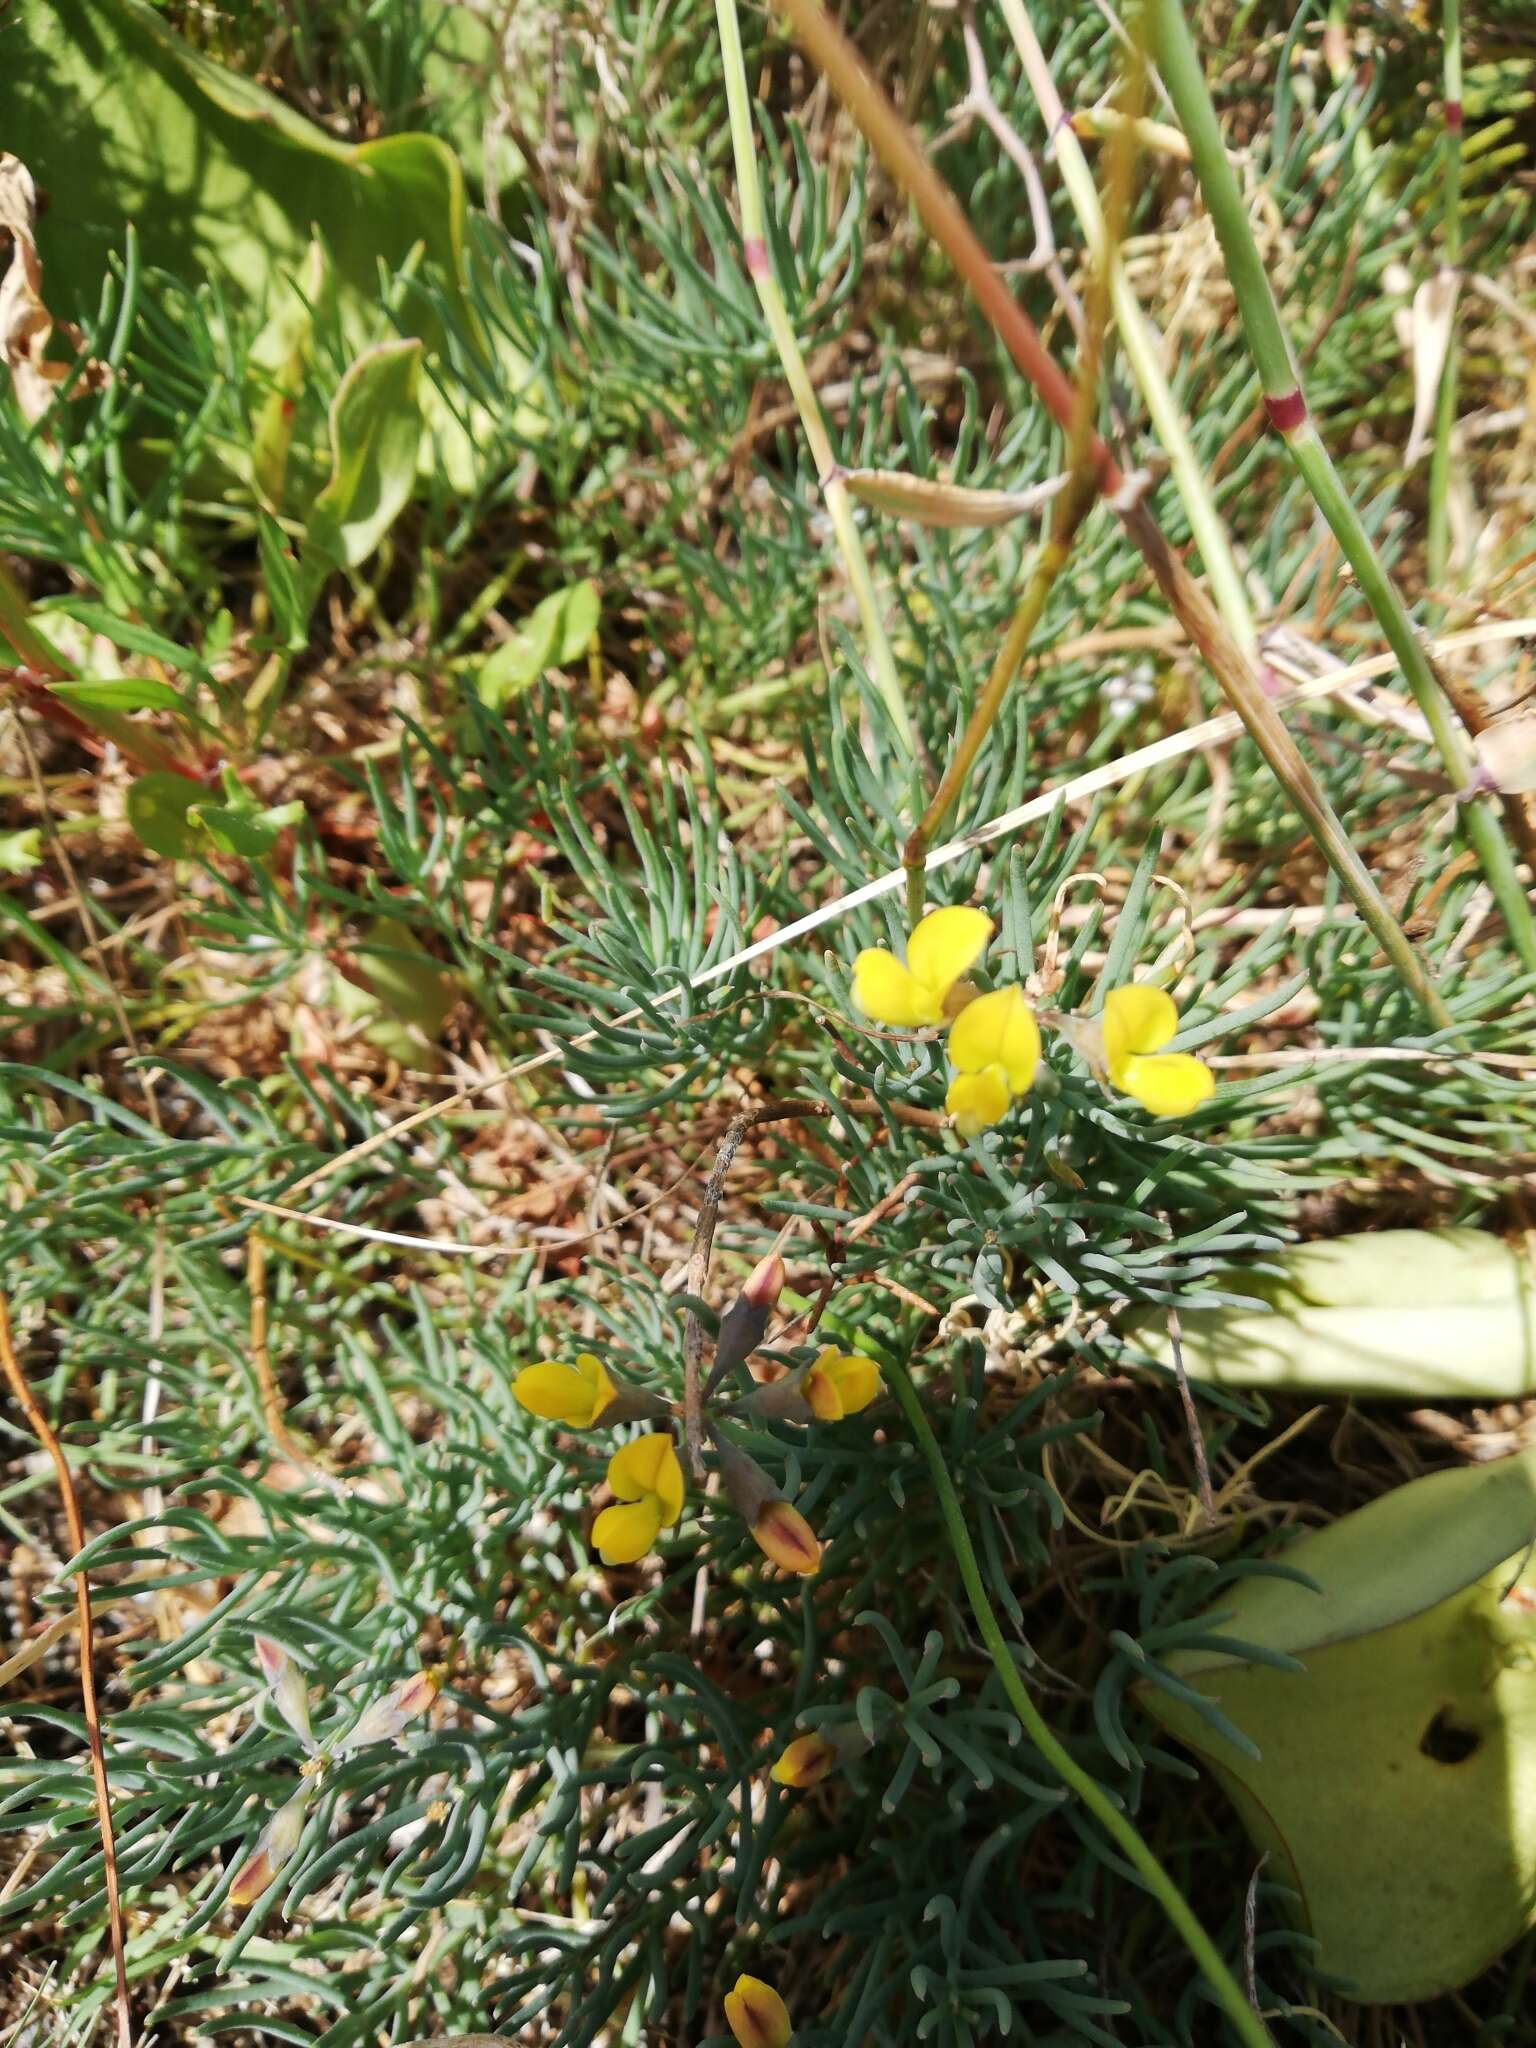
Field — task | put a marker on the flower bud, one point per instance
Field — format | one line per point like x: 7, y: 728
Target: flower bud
x: 286, y: 1684
x: 756, y: 2014
x: 386, y: 1716
x: 784, y: 1535
x: 279, y: 1839
x: 745, y: 1321
x: 808, y: 1759
x: 765, y: 1283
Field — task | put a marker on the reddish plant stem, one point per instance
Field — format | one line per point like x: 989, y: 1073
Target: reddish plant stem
x: 840, y: 63
x: 74, y: 1521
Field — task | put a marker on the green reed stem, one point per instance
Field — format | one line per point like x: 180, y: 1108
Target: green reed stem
x: 835, y: 57
x: 1140, y: 339
x: 1174, y: 51
x: 760, y: 269
x: 1070, y: 510
x: 1445, y: 398
x: 1112, y: 1817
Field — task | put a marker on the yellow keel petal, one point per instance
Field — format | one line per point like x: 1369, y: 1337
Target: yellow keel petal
x: 624, y: 1534
x: 1168, y: 1083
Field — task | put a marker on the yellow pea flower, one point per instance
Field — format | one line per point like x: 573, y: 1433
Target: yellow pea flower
x: 808, y: 1759
x: 1137, y: 1022
x: 840, y: 1383
x: 573, y: 1394
x: 756, y: 2014
x: 994, y: 1044
x: 648, y: 1480
x: 976, y: 1101
x: 944, y: 945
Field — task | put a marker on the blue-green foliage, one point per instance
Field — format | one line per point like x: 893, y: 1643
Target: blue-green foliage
x: 584, y: 1843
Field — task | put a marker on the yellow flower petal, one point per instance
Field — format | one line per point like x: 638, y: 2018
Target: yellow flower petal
x: 783, y: 1534
x: 997, y: 1030
x: 856, y: 1378
x: 1167, y: 1083
x: 564, y: 1393
x: 821, y: 1391
x: 626, y: 1533
x: 806, y: 1762
x: 756, y: 2014
x: 669, y: 1484
x: 601, y: 1387
x: 977, y: 1100
x: 944, y: 945
x: 648, y: 1466
x: 1136, y: 1019
x: 887, y: 994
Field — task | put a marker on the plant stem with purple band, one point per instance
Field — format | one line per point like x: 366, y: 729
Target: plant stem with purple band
x: 1285, y: 402
x: 836, y: 58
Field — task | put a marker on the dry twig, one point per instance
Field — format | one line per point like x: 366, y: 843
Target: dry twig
x: 27, y: 1401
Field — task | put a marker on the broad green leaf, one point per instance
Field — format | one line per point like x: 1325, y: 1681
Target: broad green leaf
x: 279, y: 356
x: 406, y: 978
x: 248, y: 833
x: 557, y: 631
x: 1398, y: 1314
x: 159, y: 810
x: 20, y: 852
x: 409, y: 994
x: 375, y: 434
x: 1396, y: 1780
x: 579, y: 611
x: 118, y: 693
x: 120, y: 119
x: 517, y: 664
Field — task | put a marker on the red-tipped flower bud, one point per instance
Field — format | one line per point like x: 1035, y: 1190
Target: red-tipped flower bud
x: 806, y: 1762
x: 784, y: 1535
x: 279, y: 1839
x: 756, y: 2014
x: 765, y: 1283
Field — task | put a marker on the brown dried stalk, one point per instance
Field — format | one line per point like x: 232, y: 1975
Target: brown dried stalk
x: 27, y: 1401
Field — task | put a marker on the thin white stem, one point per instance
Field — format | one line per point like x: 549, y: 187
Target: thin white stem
x: 1211, y: 732
x: 1140, y: 339
x: 882, y: 661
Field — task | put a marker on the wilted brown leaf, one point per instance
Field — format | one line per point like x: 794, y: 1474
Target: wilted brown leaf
x: 1429, y: 326
x: 26, y: 325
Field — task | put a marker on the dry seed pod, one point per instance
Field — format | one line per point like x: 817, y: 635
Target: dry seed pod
x: 930, y: 503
